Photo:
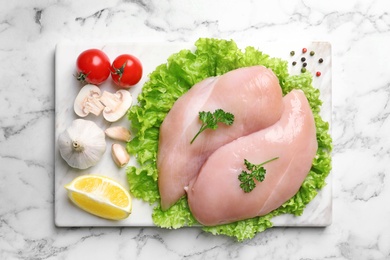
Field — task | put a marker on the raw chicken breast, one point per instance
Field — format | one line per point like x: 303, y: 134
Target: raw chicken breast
x: 253, y: 95
x: 215, y: 196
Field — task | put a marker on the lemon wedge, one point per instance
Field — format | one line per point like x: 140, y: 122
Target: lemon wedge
x: 100, y: 196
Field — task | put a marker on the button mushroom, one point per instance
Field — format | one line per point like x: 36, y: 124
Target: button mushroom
x: 116, y: 104
x: 87, y: 101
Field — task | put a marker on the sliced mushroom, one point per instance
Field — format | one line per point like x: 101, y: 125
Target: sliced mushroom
x: 116, y: 105
x: 87, y: 101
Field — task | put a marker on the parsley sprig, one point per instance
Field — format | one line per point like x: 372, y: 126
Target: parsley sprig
x: 257, y: 172
x: 211, y: 120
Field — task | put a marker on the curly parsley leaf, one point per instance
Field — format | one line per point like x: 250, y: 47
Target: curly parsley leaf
x: 211, y: 120
x: 257, y: 172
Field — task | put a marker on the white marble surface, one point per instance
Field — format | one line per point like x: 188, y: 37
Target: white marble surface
x: 360, y: 35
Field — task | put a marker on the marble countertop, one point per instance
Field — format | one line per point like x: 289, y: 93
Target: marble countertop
x: 359, y: 32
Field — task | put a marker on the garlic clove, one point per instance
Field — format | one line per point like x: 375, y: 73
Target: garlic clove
x: 119, y: 133
x: 119, y: 155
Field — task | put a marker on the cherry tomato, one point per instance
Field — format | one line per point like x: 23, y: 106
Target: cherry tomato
x: 93, y: 67
x: 126, y: 70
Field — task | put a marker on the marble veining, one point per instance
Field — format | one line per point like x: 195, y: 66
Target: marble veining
x: 359, y: 32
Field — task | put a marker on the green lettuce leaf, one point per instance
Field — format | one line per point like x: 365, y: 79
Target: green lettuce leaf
x: 171, y: 80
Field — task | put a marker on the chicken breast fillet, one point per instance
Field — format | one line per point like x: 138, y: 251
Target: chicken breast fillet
x: 215, y: 196
x: 252, y: 94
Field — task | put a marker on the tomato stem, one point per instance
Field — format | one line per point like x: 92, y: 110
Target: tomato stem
x: 120, y: 71
x: 82, y: 76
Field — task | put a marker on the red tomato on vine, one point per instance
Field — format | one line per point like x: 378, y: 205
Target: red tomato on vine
x: 93, y: 66
x: 126, y: 70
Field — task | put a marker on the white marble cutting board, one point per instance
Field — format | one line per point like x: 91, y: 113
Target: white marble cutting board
x: 317, y: 213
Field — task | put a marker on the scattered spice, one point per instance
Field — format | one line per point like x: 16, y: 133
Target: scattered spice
x: 304, y: 61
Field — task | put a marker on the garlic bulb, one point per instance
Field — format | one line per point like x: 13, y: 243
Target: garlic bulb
x: 82, y: 144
